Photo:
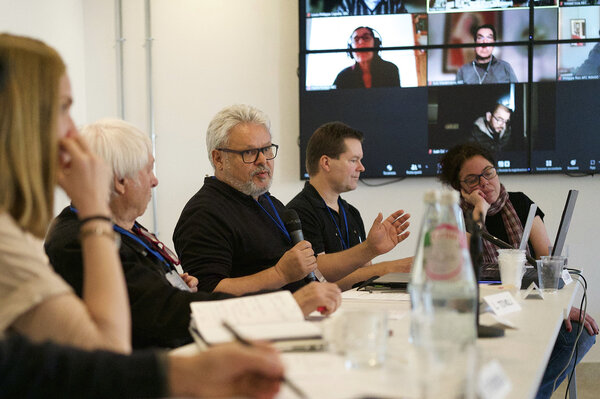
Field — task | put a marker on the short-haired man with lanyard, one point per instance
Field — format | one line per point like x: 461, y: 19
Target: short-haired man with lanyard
x: 485, y: 68
x: 334, y: 227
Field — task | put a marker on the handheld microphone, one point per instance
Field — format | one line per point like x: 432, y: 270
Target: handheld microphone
x: 293, y: 225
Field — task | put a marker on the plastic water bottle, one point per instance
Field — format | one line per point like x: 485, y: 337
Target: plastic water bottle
x: 449, y: 291
x: 417, y: 278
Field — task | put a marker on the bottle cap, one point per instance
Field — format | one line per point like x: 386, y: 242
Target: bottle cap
x: 431, y: 196
x: 449, y: 197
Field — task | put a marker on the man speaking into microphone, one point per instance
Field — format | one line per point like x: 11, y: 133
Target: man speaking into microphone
x: 231, y: 235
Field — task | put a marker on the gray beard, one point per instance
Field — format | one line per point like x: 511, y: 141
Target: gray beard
x: 248, y: 188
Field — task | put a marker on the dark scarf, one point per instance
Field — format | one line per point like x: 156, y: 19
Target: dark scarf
x: 512, y: 224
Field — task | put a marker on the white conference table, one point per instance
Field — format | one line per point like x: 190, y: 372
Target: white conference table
x: 522, y: 353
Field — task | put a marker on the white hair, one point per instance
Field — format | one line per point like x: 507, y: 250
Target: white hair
x: 124, y: 147
x: 217, y: 134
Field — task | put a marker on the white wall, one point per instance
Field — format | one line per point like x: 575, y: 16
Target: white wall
x: 210, y: 54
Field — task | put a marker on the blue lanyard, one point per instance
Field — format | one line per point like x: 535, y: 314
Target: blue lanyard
x: 121, y: 230
x: 137, y: 239
x: 278, y: 222
x: 345, y: 243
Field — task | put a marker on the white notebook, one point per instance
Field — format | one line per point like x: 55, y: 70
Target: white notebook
x: 274, y: 317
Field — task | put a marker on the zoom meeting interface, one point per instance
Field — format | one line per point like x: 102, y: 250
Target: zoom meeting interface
x: 419, y: 77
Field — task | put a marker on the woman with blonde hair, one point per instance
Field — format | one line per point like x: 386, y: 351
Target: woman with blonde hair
x: 39, y: 148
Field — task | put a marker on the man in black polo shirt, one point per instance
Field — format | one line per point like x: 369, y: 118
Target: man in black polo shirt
x: 333, y: 161
x: 230, y: 234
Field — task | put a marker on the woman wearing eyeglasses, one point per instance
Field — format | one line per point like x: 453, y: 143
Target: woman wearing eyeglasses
x: 469, y: 168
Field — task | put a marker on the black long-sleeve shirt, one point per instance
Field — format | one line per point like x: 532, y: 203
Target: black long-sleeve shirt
x: 48, y: 370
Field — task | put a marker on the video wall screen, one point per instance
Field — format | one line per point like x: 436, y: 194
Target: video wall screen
x: 418, y: 77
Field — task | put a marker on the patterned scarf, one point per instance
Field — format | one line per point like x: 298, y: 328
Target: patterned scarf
x: 512, y: 224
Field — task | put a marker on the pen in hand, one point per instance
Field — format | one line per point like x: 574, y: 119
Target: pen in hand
x: 245, y: 342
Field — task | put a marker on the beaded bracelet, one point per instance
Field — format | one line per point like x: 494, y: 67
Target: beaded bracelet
x: 94, y: 217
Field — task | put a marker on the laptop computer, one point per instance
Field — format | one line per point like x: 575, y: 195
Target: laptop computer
x: 393, y: 281
x: 490, y: 273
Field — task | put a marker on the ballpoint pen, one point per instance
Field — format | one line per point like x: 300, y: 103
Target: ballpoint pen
x: 245, y: 342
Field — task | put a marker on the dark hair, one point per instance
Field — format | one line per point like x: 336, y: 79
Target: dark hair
x: 377, y: 42
x: 328, y: 140
x: 484, y: 26
x: 452, y: 161
x: 498, y: 105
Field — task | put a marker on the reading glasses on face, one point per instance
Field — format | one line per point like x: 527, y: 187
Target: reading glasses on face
x: 500, y: 120
x: 472, y: 180
x: 251, y: 155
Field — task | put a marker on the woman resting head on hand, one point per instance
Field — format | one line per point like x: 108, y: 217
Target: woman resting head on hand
x: 469, y: 168
x: 40, y: 147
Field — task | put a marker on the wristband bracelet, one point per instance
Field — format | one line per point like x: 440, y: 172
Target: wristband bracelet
x: 101, y: 232
x: 94, y: 217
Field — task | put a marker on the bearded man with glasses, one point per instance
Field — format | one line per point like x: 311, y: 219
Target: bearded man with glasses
x: 230, y: 234
x: 492, y: 130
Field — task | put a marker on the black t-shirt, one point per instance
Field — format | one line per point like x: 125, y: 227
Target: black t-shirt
x: 224, y: 233
x: 521, y: 203
x: 322, y: 225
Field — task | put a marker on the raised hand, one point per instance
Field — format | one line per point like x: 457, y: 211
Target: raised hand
x: 385, y: 235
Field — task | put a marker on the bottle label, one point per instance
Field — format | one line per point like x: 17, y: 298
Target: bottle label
x: 444, y: 255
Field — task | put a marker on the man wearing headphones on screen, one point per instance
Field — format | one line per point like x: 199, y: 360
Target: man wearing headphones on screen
x: 369, y: 70
x: 485, y: 68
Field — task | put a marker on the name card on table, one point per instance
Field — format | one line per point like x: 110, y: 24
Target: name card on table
x: 566, y: 277
x: 493, y: 383
x: 533, y: 292
x: 502, y: 303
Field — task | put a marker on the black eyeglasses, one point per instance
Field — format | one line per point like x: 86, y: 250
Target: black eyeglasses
x: 488, y: 174
x: 251, y: 155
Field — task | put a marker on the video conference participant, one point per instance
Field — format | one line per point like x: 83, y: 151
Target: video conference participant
x: 158, y: 296
x: 333, y: 161
x: 485, y: 68
x: 30, y: 370
x: 230, y: 234
x: 371, y: 7
x: 492, y: 131
x: 369, y: 70
x: 469, y: 168
x: 591, y: 65
x: 39, y: 146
